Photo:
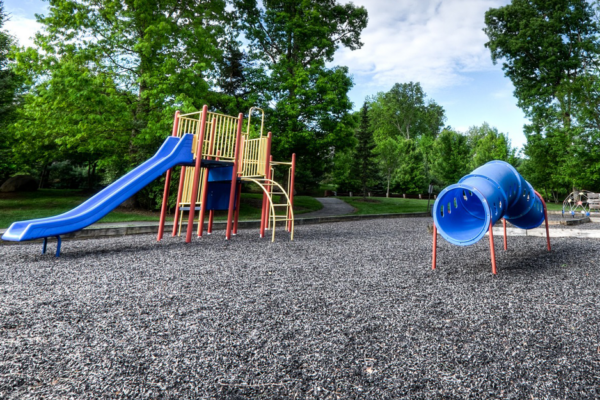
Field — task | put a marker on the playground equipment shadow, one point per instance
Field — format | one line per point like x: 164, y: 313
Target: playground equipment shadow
x: 346, y: 310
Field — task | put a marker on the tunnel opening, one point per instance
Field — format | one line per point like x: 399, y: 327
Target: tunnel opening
x: 462, y: 216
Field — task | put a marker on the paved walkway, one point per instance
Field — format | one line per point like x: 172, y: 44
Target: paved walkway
x: 332, y: 207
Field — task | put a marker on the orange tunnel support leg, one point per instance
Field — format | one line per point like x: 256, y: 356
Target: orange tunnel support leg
x: 434, y: 255
x: 505, y: 238
x: 492, y: 250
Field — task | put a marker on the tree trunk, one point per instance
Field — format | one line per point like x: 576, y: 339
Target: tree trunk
x: 42, y: 175
x: 89, y: 175
x: 388, y: 185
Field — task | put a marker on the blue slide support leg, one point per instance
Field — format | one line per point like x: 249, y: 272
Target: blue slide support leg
x: 58, y: 246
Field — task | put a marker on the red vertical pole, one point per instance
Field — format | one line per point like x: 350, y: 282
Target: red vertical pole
x: 165, y: 202
x: 505, y: 239
x: 198, y: 165
x: 292, y: 190
x: 237, y: 208
x: 234, y: 175
x: 204, y: 197
x: 546, y: 219
x: 265, y: 205
x: 434, y: 255
x: 211, y: 215
x: 204, y: 194
x: 179, y: 196
x: 492, y: 250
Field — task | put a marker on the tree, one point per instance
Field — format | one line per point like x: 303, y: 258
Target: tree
x: 549, y: 50
x: 306, y: 103
x: 364, y: 167
x: 234, y: 80
x: 546, y: 46
x: 75, y: 115
x: 342, y: 172
x: 9, y: 87
x: 405, y: 111
x: 451, y: 156
x: 107, y: 75
x: 540, y: 167
x: 487, y: 144
x: 388, y: 152
x: 411, y: 175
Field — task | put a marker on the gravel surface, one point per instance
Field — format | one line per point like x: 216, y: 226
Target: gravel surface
x: 346, y: 310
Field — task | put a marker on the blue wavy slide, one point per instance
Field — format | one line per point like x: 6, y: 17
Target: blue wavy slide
x: 174, y: 151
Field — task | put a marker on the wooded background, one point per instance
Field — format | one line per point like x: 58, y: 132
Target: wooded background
x: 96, y: 94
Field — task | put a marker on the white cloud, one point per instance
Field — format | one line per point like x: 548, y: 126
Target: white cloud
x: 435, y: 42
x: 23, y: 29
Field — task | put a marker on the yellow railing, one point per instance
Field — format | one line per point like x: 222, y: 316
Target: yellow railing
x: 219, y: 136
x: 254, y: 157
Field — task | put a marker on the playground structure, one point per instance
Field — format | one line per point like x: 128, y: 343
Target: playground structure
x: 464, y: 212
x: 581, y: 202
x: 225, y: 157
x: 216, y: 158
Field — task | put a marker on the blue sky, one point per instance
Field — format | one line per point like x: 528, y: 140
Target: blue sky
x: 439, y: 43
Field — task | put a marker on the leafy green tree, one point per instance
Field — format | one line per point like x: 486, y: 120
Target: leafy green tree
x: 388, y: 152
x: 290, y: 42
x: 411, y: 175
x: 405, y: 111
x: 487, y: 144
x: 451, y: 156
x: 545, y: 46
x: 234, y: 80
x: 9, y: 87
x: 364, y: 166
x: 541, y: 168
x: 74, y: 115
x: 549, y: 50
x: 106, y: 76
x: 343, y: 171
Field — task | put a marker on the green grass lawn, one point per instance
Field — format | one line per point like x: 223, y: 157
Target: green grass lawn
x: 48, y: 202
x: 383, y: 205
x: 554, y: 206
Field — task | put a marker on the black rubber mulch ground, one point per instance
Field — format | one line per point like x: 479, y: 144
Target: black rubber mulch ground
x: 347, y: 310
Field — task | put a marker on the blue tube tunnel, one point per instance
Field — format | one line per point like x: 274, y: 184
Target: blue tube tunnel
x: 462, y: 212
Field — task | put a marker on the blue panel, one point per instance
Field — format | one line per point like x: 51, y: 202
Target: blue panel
x: 174, y: 151
x: 463, y: 211
x: 218, y: 196
x: 220, y: 174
